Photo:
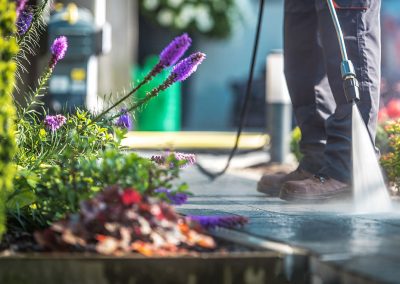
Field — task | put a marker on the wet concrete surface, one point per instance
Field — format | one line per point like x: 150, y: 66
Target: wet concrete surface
x: 364, y: 244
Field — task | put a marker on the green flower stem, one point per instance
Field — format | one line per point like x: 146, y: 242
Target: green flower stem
x: 167, y: 83
x: 157, y: 69
x: 97, y: 118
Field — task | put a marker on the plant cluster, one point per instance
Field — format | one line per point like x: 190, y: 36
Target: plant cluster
x: 70, y: 172
x: 211, y: 18
x: 61, y: 160
x: 390, y: 160
x: 388, y: 141
x: 121, y: 220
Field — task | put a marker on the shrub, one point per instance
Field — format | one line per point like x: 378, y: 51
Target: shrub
x: 47, y: 193
x: 295, y: 143
x: 210, y: 18
x: 120, y: 220
x: 390, y: 161
x: 8, y: 49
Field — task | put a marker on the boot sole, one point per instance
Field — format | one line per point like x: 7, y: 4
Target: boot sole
x: 343, y: 194
x: 270, y: 191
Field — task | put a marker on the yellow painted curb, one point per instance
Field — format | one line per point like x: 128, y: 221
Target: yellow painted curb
x: 193, y: 140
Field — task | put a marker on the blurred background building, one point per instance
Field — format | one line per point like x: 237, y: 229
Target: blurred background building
x: 224, y: 30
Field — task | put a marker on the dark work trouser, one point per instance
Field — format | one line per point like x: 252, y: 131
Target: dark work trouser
x: 312, y: 70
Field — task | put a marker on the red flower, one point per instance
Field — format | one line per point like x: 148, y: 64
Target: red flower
x: 130, y: 196
x: 393, y: 108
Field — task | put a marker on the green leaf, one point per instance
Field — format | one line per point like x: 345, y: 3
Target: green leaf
x: 20, y: 200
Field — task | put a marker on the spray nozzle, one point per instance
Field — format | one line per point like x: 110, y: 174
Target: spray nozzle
x: 350, y: 85
x: 350, y: 82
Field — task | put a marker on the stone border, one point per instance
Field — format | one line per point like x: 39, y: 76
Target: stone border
x: 252, y: 267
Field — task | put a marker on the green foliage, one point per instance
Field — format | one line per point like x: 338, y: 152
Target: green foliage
x: 382, y: 139
x: 390, y: 161
x: 78, y: 136
x: 49, y: 182
x: 295, y: 143
x: 48, y: 192
x: 8, y: 49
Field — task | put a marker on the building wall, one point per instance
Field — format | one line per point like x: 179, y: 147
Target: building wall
x: 114, y: 68
x: 210, y: 101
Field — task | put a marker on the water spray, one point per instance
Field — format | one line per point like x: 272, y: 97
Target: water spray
x: 369, y: 189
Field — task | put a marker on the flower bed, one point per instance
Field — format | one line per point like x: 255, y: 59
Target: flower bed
x: 74, y: 186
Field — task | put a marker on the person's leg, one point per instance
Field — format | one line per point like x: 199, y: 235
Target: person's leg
x: 306, y: 79
x: 360, y: 22
x: 309, y: 90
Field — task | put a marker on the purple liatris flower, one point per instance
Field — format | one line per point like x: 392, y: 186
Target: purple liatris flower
x: 176, y: 198
x: 187, y: 66
x: 54, y: 122
x: 24, y: 22
x: 180, y: 72
x: 20, y: 6
x: 189, y: 159
x: 219, y: 221
x: 124, y: 121
x: 170, y: 55
x: 58, y: 50
x: 174, y: 51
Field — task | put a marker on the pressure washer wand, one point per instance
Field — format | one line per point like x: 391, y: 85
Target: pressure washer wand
x: 350, y: 82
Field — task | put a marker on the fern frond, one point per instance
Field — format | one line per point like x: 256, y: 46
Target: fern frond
x: 33, y: 98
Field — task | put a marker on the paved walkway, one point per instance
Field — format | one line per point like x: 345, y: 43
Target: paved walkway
x: 367, y: 245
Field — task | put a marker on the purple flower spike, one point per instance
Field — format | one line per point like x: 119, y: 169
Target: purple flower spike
x: 162, y: 190
x: 189, y: 159
x: 174, y: 51
x: 54, y: 122
x: 187, y: 66
x: 24, y: 22
x: 20, y: 6
x: 124, y: 121
x: 177, y: 198
x: 58, y: 50
x: 219, y: 221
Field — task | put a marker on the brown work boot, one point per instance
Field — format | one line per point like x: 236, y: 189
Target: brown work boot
x: 271, y: 184
x: 314, y: 188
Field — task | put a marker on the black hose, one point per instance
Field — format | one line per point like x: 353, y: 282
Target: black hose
x: 244, y: 110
